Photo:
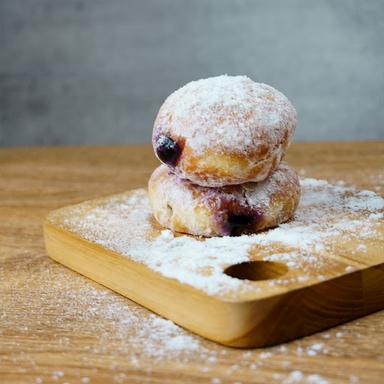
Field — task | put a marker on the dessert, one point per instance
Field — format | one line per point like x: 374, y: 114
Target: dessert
x: 221, y: 141
x: 224, y: 130
x: 182, y: 206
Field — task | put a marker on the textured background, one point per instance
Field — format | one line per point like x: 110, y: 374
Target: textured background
x: 96, y: 71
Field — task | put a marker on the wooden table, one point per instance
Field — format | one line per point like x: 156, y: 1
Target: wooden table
x: 57, y: 326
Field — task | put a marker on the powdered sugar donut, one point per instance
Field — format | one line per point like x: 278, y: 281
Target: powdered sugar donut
x: 185, y: 207
x: 224, y: 130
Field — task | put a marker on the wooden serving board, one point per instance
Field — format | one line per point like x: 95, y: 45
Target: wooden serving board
x: 324, y: 268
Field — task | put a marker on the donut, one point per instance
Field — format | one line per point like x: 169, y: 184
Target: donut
x: 182, y: 206
x: 223, y: 130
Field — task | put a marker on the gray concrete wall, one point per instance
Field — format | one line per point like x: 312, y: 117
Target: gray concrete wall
x: 93, y: 71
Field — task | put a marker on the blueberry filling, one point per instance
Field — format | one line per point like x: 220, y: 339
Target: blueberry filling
x: 167, y: 150
x: 237, y: 221
x: 238, y: 224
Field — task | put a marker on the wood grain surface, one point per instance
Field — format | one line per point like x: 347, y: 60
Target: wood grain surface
x: 56, y: 326
x: 262, y: 313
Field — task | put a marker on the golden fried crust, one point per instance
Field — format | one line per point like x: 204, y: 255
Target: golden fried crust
x: 185, y: 207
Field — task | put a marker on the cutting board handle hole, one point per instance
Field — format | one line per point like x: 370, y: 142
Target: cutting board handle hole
x: 256, y: 270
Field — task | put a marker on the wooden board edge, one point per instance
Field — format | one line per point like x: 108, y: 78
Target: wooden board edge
x: 253, y: 323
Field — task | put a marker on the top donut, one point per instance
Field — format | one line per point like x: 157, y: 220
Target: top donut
x: 224, y: 130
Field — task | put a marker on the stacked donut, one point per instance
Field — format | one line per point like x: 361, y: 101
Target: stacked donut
x: 221, y: 141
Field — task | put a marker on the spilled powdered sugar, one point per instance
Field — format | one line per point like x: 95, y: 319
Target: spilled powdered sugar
x: 124, y: 224
x: 108, y: 331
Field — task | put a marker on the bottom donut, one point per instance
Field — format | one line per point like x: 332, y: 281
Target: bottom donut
x: 233, y: 210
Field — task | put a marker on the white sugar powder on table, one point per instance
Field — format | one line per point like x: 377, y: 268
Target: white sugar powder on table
x: 123, y: 224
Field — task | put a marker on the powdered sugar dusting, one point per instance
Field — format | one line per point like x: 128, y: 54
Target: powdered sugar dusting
x: 232, y: 113
x: 124, y: 224
x: 178, y: 203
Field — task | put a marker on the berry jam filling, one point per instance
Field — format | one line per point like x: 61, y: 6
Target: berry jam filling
x: 237, y: 221
x: 233, y: 213
x: 238, y: 224
x: 167, y: 150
